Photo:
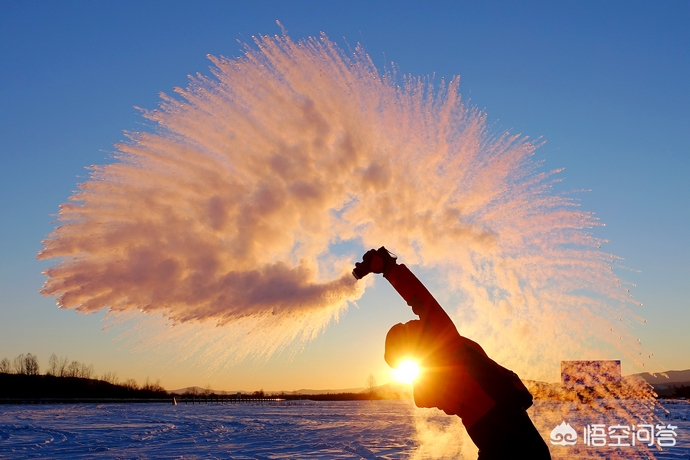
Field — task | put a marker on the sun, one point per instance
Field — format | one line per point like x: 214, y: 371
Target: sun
x: 406, y: 372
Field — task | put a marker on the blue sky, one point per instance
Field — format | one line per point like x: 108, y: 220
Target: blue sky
x: 604, y: 84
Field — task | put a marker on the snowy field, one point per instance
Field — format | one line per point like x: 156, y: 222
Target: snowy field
x: 315, y: 430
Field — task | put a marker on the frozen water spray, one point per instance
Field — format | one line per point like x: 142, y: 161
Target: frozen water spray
x: 226, y: 213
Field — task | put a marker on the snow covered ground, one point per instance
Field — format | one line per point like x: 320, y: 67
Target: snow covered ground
x: 315, y: 430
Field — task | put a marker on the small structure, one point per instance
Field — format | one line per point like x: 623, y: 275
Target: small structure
x: 589, y: 374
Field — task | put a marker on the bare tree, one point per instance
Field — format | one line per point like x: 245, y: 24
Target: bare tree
x: 5, y: 366
x: 86, y: 372
x: 61, y: 367
x: 371, y: 384
x: 207, y: 391
x: 73, y: 369
x: 19, y: 364
x: 31, y: 364
x: 156, y: 386
x: 130, y: 384
x: 152, y: 386
x: 53, y: 361
x: 110, y: 377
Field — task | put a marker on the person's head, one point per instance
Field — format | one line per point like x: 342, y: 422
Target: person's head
x: 402, y: 342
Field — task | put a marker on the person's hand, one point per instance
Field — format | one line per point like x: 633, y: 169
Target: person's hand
x: 383, y: 260
x: 377, y: 263
x: 374, y: 260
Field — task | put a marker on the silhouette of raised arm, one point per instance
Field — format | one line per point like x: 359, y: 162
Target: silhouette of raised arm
x: 411, y: 289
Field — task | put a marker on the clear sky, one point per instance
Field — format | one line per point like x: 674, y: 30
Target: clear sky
x: 605, y: 84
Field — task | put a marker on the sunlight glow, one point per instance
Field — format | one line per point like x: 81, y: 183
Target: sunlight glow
x: 406, y: 372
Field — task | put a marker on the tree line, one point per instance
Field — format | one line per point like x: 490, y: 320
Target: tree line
x: 22, y: 364
x: 61, y: 366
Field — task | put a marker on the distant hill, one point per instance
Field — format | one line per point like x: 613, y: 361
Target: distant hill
x: 667, y: 378
x: 52, y: 387
x: 199, y: 391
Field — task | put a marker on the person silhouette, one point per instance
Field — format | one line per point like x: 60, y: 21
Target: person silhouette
x: 457, y: 376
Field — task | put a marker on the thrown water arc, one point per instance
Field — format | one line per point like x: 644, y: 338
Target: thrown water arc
x: 225, y: 214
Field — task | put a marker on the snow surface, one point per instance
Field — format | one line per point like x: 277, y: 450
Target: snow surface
x: 304, y: 429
